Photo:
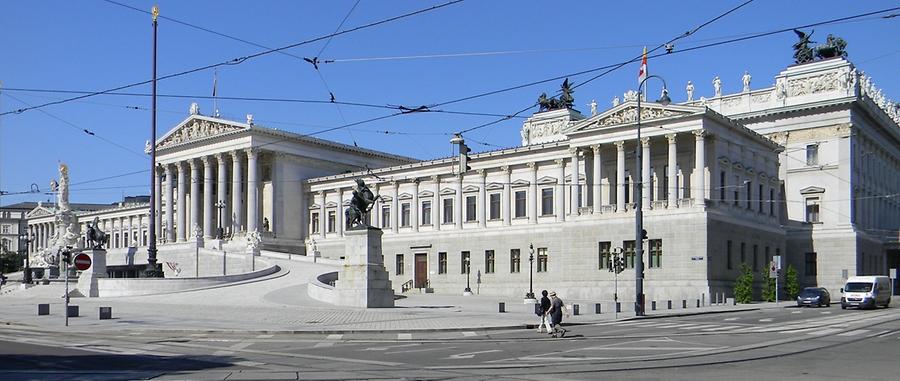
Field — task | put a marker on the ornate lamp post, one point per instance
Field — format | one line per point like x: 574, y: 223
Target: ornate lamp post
x: 220, y: 233
x: 530, y: 294
x: 638, y: 213
x: 468, y: 290
x: 24, y: 240
x: 151, y: 271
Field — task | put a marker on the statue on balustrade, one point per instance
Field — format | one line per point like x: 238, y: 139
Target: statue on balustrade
x: 360, y: 205
x: 96, y: 238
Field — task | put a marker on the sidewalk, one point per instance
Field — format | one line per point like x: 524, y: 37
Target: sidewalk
x: 281, y: 305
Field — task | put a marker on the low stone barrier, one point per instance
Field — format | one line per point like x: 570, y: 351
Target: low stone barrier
x: 146, y: 286
x: 321, y: 287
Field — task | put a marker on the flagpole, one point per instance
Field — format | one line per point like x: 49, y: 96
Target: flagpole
x: 215, y: 99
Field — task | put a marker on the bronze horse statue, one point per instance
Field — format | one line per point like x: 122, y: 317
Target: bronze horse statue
x: 96, y: 238
x: 360, y: 205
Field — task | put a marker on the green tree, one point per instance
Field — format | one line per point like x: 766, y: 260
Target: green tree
x: 768, y: 292
x: 791, y: 282
x: 743, y: 285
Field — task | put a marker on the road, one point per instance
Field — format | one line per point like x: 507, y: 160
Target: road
x: 782, y: 343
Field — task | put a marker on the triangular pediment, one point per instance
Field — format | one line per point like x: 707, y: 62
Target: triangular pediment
x: 493, y: 186
x: 447, y: 191
x: 40, y: 211
x: 470, y: 188
x: 812, y: 190
x: 405, y: 196
x: 546, y: 180
x: 626, y: 113
x: 199, y: 127
x: 426, y: 194
x: 520, y: 183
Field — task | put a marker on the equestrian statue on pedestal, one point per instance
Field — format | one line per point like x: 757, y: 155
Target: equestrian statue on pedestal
x: 360, y: 205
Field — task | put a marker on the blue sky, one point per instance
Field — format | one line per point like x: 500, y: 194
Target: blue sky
x: 96, y: 45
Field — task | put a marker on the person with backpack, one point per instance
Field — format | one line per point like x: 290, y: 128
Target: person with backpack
x: 556, y: 311
x: 541, y: 311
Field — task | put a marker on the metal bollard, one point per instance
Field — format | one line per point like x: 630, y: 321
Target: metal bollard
x: 105, y: 313
x: 653, y: 305
x: 618, y: 307
x: 734, y: 301
x: 683, y: 303
x: 698, y: 303
x: 575, y: 309
x: 502, y: 307
x: 43, y: 309
x: 597, y: 308
x: 72, y: 311
x: 670, y: 304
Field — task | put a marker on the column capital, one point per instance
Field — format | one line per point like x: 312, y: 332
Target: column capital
x: 699, y: 134
x: 321, y: 193
x: 206, y: 161
x: 559, y: 161
x: 505, y: 169
x: 179, y: 165
x: 533, y: 165
x: 395, y: 183
x: 415, y: 180
x: 573, y: 151
x: 645, y: 142
x: 436, y: 178
x: 459, y: 177
x: 235, y: 155
x: 251, y: 152
x: 220, y: 156
x: 482, y: 172
x: 671, y: 138
x: 620, y: 145
x: 193, y: 163
x: 595, y: 148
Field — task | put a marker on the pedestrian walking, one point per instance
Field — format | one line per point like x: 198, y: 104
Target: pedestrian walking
x: 556, y: 311
x: 542, y: 312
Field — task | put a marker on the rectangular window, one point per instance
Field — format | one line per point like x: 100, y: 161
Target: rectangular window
x: 331, y: 221
x: 521, y: 209
x: 655, y: 253
x: 811, y: 264
x: 471, y: 208
x: 743, y: 252
x: 771, y: 202
x: 426, y: 213
x: 495, y: 206
x: 812, y: 154
x: 755, y: 257
x: 722, y: 186
x: 399, y: 264
x: 812, y: 209
x: 442, y: 263
x: 749, y: 194
x: 729, y: 264
x: 448, y: 210
x: 404, y: 214
x: 385, y: 216
x: 314, y: 224
x: 542, y: 259
x: 5, y: 229
x: 515, y: 260
x: 546, y: 201
x: 737, y: 191
x: 605, y: 255
x: 488, y: 261
x: 464, y: 261
x: 628, y: 252
x: 760, y: 196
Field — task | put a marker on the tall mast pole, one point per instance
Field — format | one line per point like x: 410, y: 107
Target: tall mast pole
x: 151, y: 249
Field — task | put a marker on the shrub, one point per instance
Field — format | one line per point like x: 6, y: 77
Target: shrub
x: 743, y: 285
x: 791, y: 283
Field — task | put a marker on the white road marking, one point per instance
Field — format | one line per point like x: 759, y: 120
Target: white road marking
x: 881, y: 334
x: 241, y: 345
x: 732, y: 319
x: 698, y: 326
x: 469, y: 355
x: 853, y: 333
x: 826, y: 331
x: 826, y: 312
x: 334, y: 337
x: 223, y: 353
x: 766, y: 320
x: 248, y: 363
x: 419, y: 350
x: 469, y: 334
x: 801, y: 330
x: 720, y: 328
x: 404, y: 336
x: 265, y: 336
x: 388, y: 347
x: 796, y: 312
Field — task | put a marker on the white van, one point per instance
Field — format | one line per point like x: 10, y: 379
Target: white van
x: 866, y: 292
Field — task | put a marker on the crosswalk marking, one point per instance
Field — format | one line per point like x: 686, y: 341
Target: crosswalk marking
x: 796, y: 312
x: 732, y: 319
x: 248, y: 363
x: 766, y: 320
x: 330, y: 340
x: 404, y: 336
x: 265, y: 336
x: 853, y: 333
x: 334, y: 337
x: 469, y: 334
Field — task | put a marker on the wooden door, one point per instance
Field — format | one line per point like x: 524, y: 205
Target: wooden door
x: 421, y: 271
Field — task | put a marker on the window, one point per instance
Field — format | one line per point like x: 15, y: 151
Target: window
x: 722, y: 186
x: 760, y: 196
x: 812, y: 154
x: 768, y: 257
x: 755, y: 257
x: 729, y: 265
x: 628, y: 252
x: 655, y: 253
x: 515, y: 260
x: 5, y: 229
x: 542, y: 259
x: 442, y: 263
x: 399, y: 268
x: 495, y: 206
x: 771, y: 201
x: 426, y: 213
x: 605, y: 256
x: 810, y: 264
x: 812, y: 209
x: 331, y: 222
x: 315, y: 223
x: 448, y: 210
x: 4, y: 244
x: 464, y: 261
x: 488, y: 261
x: 471, y: 207
x: 737, y: 190
x: 743, y: 252
x: 385, y: 216
x: 546, y: 201
x: 521, y: 209
x: 404, y: 214
x: 749, y: 186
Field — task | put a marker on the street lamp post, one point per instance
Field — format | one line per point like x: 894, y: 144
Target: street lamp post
x: 468, y: 290
x: 220, y: 233
x: 26, y: 238
x: 530, y: 294
x: 151, y: 271
x: 638, y: 195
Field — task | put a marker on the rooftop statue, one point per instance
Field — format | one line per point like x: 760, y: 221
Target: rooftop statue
x: 566, y: 100
x: 833, y: 47
x: 360, y: 205
x: 802, y: 52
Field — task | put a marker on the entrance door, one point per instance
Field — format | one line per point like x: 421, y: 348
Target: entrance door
x: 421, y: 270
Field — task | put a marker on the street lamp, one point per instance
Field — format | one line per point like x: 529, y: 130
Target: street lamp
x: 151, y: 271
x: 220, y: 233
x: 530, y: 294
x: 638, y: 190
x: 468, y: 290
x: 26, y: 238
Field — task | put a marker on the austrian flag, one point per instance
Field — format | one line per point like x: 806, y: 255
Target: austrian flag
x: 642, y: 75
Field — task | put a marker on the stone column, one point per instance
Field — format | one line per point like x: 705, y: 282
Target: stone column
x: 253, y: 189
x: 395, y: 207
x: 532, y: 193
x: 672, y: 173
x: 620, y: 176
x: 576, y: 185
x: 597, y: 182
x: 221, y: 194
x: 414, y: 209
x: 458, y: 208
x: 506, y: 199
x: 645, y: 172
x: 323, y: 216
x: 560, y: 199
x: 482, y: 203
x: 237, y: 194
x: 699, y: 193
x: 157, y: 203
x: 207, y: 197
x: 182, y: 199
x: 436, y: 207
x: 170, y: 204
x: 195, y: 196
x: 140, y: 230
x: 130, y: 230
x: 339, y: 219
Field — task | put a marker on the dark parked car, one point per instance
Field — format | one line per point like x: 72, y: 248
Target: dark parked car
x: 814, y: 296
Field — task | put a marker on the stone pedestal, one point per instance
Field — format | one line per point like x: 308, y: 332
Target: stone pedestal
x: 88, y: 280
x: 363, y: 281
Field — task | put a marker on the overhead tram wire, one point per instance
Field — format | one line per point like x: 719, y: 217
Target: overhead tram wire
x: 240, y: 60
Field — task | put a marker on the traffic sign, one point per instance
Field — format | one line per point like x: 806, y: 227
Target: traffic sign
x: 773, y: 270
x: 82, y: 261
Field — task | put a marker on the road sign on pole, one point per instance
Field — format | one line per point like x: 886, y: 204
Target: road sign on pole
x: 82, y: 262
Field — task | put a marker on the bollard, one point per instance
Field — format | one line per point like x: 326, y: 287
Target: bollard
x: 575, y: 310
x: 653, y: 305
x: 502, y: 307
x: 703, y: 297
x: 105, y: 313
x: 43, y: 309
x: 72, y: 311
x: 597, y: 308
x: 670, y: 304
x: 683, y: 303
x: 698, y: 303
x: 618, y: 307
x: 734, y: 301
